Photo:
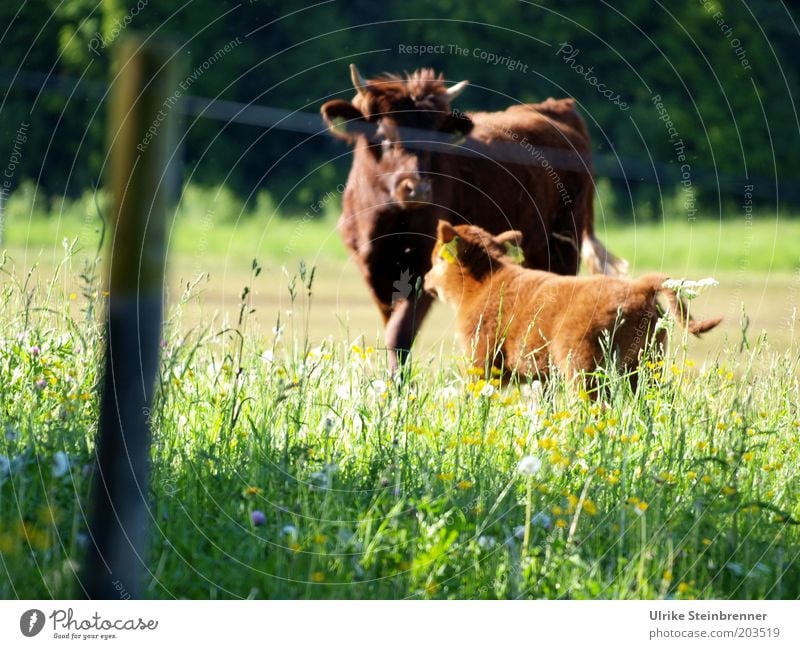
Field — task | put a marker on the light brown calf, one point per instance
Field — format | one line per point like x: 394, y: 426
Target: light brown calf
x: 527, y: 321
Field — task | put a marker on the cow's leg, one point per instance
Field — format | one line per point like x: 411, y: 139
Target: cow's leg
x: 404, y: 322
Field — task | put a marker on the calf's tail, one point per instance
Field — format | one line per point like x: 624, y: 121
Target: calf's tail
x: 677, y: 306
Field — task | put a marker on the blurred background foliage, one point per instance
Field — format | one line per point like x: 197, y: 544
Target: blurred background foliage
x: 739, y: 125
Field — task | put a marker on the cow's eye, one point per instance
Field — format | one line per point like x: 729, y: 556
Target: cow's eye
x: 386, y: 144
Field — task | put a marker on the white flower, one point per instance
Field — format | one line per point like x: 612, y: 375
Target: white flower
x: 529, y: 465
x: 60, y: 464
x: 688, y: 289
x: 519, y: 531
x: 268, y: 356
x: 277, y: 331
x: 486, y: 542
x: 533, y: 391
x: 448, y: 393
x: 378, y: 388
x: 707, y: 282
x: 343, y: 392
x: 290, y: 531
x: 488, y: 390
x: 5, y: 465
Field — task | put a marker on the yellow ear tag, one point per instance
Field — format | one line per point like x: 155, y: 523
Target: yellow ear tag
x: 449, y: 251
x: 515, y: 253
x: 339, y: 124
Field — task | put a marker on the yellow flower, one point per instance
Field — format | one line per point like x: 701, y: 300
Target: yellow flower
x: 667, y: 576
x: 561, y: 523
x: 589, y: 507
x: 445, y: 476
x: 728, y: 491
x: 706, y: 542
x: 320, y: 538
x: 556, y: 510
x: 318, y: 577
x: 464, y: 484
x: 8, y: 544
x: 253, y: 491
x: 683, y: 588
x: 747, y: 457
x: 295, y: 547
x: 547, y: 443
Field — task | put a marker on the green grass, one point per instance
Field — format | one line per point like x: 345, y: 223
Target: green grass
x: 379, y: 489
x: 212, y: 225
x: 373, y: 488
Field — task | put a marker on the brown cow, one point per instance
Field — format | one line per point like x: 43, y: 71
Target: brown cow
x: 525, y: 322
x: 416, y: 161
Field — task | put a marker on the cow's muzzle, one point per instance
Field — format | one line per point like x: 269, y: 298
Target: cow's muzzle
x: 413, y: 190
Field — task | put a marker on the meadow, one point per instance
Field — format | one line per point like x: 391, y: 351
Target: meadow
x: 288, y: 463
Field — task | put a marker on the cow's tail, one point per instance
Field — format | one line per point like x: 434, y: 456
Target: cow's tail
x: 677, y: 306
x: 596, y: 257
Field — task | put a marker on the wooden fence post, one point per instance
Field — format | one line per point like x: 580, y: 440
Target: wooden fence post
x: 142, y: 120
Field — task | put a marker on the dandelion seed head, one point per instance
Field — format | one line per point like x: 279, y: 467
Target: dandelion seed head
x: 529, y: 465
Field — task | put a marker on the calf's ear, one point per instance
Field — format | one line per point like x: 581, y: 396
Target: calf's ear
x: 343, y: 119
x: 446, y: 232
x: 513, y: 237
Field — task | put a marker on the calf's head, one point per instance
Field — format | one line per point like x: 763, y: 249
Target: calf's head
x: 388, y: 119
x: 466, y: 254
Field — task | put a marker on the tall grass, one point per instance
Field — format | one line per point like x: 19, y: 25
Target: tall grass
x: 282, y: 470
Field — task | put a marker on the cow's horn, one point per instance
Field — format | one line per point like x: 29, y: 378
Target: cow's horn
x: 359, y: 82
x: 454, y: 91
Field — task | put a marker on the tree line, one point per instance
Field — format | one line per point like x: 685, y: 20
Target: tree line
x: 694, y: 101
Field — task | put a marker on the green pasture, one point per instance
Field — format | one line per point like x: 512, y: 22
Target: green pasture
x: 295, y: 466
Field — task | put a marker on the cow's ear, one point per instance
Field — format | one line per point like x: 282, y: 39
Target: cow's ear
x: 343, y: 119
x: 457, y: 123
x: 446, y: 232
x: 513, y: 237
